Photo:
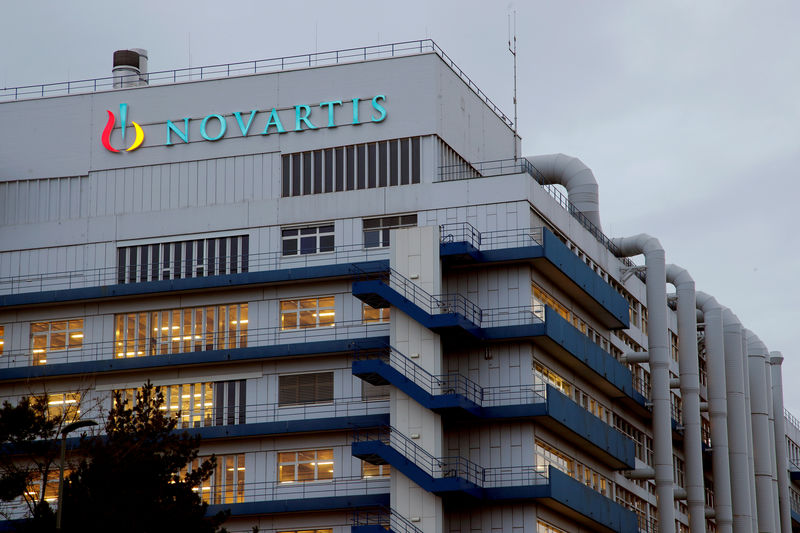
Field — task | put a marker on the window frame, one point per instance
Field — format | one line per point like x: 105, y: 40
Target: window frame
x: 384, y: 227
x: 39, y: 353
x: 316, y: 462
x: 316, y: 401
x: 318, y: 235
x: 299, y: 311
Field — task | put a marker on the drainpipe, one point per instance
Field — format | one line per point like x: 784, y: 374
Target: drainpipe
x: 759, y: 400
x: 717, y: 410
x: 737, y: 429
x: 658, y: 349
x: 782, y: 463
x: 576, y: 177
x: 776, y: 508
x: 690, y: 395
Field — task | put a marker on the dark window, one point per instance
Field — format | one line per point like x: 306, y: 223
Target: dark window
x: 121, y: 262
x: 329, y: 170
x: 298, y: 389
x: 200, y: 270
x: 393, y: 162
x: 306, y: 172
x: 340, y: 169
x: 212, y: 257
x: 245, y: 253
x: 143, y: 262
x: 360, y: 153
x: 178, y: 259
x: 382, y: 164
x: 404, y: 162
x: 154, y: 260
x: 377, y: 230
x: 234, y: 255
x: 307, y: 240
x: 351, y: 151
x: 318, y: 172
x: 371, y: 178
x: 295, y: 174
x: 285, y: 163
x: 415, y: 160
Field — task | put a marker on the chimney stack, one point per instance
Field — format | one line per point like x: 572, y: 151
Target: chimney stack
x: 130, y: 68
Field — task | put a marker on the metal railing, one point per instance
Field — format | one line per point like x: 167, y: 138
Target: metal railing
x: 436, y: 467
x: 500, y: 167
x: 515, y: 476
x: 386, y: 518
x: 96, y: 351
x: 185, y: 269
x: 447, y: 383
x: 431, y: 304
x: 793, y: 420
x: 513, y: 316
x: 490, y: 240
x: 259, y: 66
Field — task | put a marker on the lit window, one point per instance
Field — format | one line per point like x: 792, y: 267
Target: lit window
x: 307, y: 240
x: 327, y: 530
x: 34, y: 488
x: 377, y: 230
x: 191, y: 329
x: 541, y: 298
x: 544, y: 527
x: 227, y: 482
x: 306, y: 313
x: 299, y: 389
x: 56, y: 336
x: 549, y: 456
x: 373, y: 315
x: 64, y: 406
x: 2, y: 340
x: 553, y: 378
x: 306, y: 465
x: 193, y: 402
x: 369, y: 470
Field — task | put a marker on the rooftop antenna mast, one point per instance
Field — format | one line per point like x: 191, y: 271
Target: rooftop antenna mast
x: 512, y: 47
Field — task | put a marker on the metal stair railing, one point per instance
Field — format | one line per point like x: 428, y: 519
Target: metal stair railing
x: 435, y: 467
x: 490, y: 240
x: 387, y: 518
x: 447, y: 383
x: 431, y: 304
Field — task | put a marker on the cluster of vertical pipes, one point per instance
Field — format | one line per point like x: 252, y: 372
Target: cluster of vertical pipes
x: 745, y: 395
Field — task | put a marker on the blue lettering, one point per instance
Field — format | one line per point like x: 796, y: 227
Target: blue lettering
x: 274, y: 121
x: 355, y: 111
x: 184, y: 135
x: 379, y: 108
x: 242, y: 127
x: 331, y: 123
x: 302, y: 118
x: 222, y: 127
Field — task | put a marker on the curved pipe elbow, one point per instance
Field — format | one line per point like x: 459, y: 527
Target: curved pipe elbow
x: 576, y: 177
x: 755, y: 345
x: 678, y: 275
x: 638, y: 244
x: 706, y: 302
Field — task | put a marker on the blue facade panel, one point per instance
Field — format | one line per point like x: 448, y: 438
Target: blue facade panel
x: 302, y: 504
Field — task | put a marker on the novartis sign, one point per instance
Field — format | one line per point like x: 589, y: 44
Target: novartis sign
x: 215, y: 126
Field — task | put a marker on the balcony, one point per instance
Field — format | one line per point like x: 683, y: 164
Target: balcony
x: 187, y: 275
x: 464, y: 245
x: 260, y: 343
x: 381, y: 521
x: 456, y: 396
x: 462, y: 482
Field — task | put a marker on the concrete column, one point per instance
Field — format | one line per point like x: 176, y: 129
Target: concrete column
x: 760, y: 399
x: 415, y: 255
x: 658, y: 349
x: 782, y: 463
x: 690, y: 394
x: 737, y: 428
x: 718, y: 411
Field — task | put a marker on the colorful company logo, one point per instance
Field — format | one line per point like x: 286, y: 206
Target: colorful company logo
x: 123, y: 115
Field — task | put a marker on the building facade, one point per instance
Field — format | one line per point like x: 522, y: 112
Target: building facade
x: 373, y: 313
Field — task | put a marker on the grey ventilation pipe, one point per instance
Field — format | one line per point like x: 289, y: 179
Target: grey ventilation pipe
x: 576, y: 177
x: 749, y: 421
x: 782, y: 463
x: 690, y: 395
x: 759, y: 400
x: 658, y: 349
x: 776, y: 508
x: 717, y: 410
x: 737, y: 429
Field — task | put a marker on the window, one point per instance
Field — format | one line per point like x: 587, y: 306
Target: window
x: 191, y: 329
x: 541, y: 298
x: 306, y: 465
x: 673, y: 346
x: 353, y: 167
x: 202, y: 404
x: 372, y: 315
x: 549, y: 456
x: 64, y: 406
x: 369, y: 470
x: 300, y: 389
x: 56, y: 336
x: 307, y: 240
x: 303, y: 313
x: 183, y: 259
x: 226, y: 484
x: 32, y: 492
x: 370, y: 392
x: 2, y: 341
x: 327, y: 530
x: 376, y: 230
x: 544, y: 527
x: 552, y: 378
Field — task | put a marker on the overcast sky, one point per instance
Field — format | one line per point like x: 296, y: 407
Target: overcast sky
x: 687, y: 112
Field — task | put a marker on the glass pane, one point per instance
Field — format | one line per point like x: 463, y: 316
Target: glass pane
x: 308, y: 455
x: 308, y: 319
x: 305, y: 472
x: 61, y: 325
x: 289, y: 232
x: 286, y: 473
x: 308, y: 231
x: 290, y: 247
x: 371, y: 239
x: 76, y: 324
x: 286, y: 457
x: 326, y: 243
x: 39, y: 327
x: 288, y: 305
x: 308, y: 245
x: 76, y: 339
x: 289, y: 321
x: 326, y: 317
x: 327, y: 301
x: 58, y: 341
